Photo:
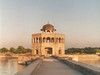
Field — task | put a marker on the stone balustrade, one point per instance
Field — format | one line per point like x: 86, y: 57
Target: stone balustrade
x: 83, y: 68
x: 31, y: 68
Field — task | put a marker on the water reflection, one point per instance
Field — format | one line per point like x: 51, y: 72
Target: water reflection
x: 9, y: 67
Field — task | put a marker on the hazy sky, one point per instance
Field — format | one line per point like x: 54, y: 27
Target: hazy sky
x: 79, y: 20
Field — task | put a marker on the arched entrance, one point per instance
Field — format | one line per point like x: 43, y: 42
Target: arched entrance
x: 59, y: 52
x: 37, y: 52
x: 49, y: 50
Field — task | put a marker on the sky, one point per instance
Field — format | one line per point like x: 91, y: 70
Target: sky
x: 79, y: 20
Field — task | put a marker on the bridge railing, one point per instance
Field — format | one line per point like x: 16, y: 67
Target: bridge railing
x: 29, y: 70
x: 83, y: 68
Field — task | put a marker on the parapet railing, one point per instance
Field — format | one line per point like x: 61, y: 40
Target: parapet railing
x: 30, y: 69
x: 81, y: 67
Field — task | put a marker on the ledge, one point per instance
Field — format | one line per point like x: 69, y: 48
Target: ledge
x: 81, y: 67
x: 31, y: 68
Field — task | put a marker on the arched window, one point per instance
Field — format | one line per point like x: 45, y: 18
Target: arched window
x: 59, y: 40
x: 44, y: 39
x: 48, y: 40
x: 56, y: 39
x: 40, y: 40
x: 52, y: 39
x: 37, y: 40
x: 48, y: 30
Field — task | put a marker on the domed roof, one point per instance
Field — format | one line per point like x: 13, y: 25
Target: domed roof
x: 49, y: 27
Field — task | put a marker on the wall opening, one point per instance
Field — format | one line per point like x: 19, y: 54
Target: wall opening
x: 59, y: 52
x: 37, y: 52
x: 49, y: 50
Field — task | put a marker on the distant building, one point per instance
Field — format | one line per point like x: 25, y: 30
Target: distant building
x: 48, y: 42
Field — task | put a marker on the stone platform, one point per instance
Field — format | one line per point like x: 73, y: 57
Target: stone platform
x: 51, y: 66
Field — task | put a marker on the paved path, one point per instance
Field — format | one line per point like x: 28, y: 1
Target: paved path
x: 52, y: 66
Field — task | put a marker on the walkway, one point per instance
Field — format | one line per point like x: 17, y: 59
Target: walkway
x: 52, y: 66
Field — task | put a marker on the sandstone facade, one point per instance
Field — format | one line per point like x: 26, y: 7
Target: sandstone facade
x: 48, y: 42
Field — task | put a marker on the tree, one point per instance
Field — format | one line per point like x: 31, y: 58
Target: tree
x: 20, y: 49
x: 97, y: 50
x: 89, y: 50
x: 12, y: 50
x: 3, y: 50
x: 28, y: 50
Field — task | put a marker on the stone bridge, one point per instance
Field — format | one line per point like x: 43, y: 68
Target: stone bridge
x: 58, y: 66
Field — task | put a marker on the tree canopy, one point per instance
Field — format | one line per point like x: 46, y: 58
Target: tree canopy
x: 86, y: 50
x: 18, y: 50
x: 3, y: 50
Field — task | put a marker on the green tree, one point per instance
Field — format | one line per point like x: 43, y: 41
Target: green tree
x: 3, y: 50
x: 89, y: 50
x: 28, y: 50
x: 20, y: 49
x: 12, y: 50
x: 97, y: 50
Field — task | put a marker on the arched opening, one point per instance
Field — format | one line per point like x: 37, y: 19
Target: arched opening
x: 37, y: 52
x: 48, y: 30
x: 48, y: 39
x: 36, y: 40
x: 52, y: 39
x: 40, y: 40
x: 56, y: 39
x: 49, y: 50
x: 44, y: 39
x: 59, y: 40
x: 59, y: 52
